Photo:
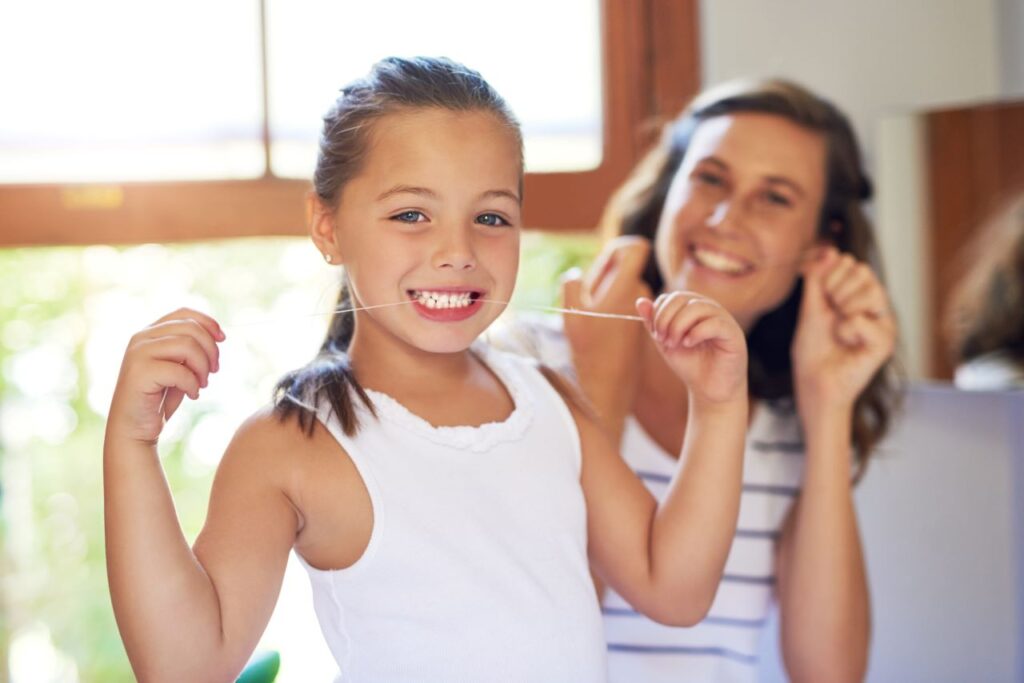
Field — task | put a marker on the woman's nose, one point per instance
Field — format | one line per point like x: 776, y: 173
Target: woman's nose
x: 725, y: 215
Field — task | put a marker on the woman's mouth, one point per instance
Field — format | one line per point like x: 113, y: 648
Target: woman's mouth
x: 720, y: 261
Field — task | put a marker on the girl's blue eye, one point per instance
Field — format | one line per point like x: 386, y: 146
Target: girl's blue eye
x: 493, y: 220
x: 409, y: 217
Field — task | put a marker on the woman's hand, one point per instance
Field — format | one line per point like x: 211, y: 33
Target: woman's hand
x: 170, y: 359
x: 845, y: 332
x: 606, y: 353
x: 702, y: 343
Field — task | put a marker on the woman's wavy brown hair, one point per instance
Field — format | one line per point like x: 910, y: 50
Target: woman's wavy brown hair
x: 635, y: 209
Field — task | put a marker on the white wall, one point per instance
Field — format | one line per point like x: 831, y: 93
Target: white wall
x: 942, y: 519
x: 880, y: 61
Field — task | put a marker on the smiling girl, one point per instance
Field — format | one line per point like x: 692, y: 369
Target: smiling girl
x: 444, y: 497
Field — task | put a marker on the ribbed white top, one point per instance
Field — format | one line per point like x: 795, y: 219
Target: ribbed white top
x: 722, y: 648
x: 476, y: 569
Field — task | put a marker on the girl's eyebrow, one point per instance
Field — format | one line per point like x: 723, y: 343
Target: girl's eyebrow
x: 430, y: 194
x: 408, y: 189
x: 497, y: 194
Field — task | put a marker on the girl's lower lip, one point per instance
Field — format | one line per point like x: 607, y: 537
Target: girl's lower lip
x: 447, y: 315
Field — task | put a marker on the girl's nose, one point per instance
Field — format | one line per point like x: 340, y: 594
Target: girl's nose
x: 455, y: 253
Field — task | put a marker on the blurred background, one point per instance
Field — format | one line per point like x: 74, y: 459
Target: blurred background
x: 155, y: 155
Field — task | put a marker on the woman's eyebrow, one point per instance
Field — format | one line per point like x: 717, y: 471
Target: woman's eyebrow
x: 791, y: 184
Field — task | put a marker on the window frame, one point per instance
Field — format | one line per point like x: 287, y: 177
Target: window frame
x: 651, y: 68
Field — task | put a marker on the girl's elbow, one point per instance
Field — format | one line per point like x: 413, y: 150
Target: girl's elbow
x: 683, y: 612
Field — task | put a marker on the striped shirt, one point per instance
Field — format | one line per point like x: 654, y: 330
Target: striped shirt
x: 722, y: 648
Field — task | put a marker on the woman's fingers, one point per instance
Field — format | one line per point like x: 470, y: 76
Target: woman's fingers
x: 618, y: 270
x: 863, y: 333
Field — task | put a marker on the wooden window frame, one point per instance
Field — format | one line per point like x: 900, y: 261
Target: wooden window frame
x: 651, y: 69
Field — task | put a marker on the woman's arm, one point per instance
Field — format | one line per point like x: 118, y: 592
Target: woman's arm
x: 844, y: 334
x: 667, y: 559
x: 187, y: 615
x: 822, y: 584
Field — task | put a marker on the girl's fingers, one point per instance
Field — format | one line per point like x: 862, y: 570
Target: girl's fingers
x: 710, y: 329
x: 190, y: 328
x: 203, y: 320
x: 182, y: 350
x: 166, y: 375
x: 674, y: 314
x: 694, y: 312
x: 645, y: 307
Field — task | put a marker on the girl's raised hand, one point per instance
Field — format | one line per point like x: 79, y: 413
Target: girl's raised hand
x: 845, y: 332
x: 170, y: 359
x: 701, y: 342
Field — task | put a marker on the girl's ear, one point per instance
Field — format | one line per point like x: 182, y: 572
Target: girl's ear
x: 320, y: 220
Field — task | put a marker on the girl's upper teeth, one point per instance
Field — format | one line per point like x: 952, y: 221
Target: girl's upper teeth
x: 442, y: 299
x: 718, y: 261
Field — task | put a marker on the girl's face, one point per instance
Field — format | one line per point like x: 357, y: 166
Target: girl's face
x: 742, y: 212
x: 433, y: 219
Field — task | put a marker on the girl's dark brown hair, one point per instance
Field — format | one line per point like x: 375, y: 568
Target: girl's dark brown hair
x: 986, y: 312
x: 393, y: 85
x: 636, y: 207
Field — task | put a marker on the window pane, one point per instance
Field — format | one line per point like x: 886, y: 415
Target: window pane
x: 544, y: 57
x: 112, y: 90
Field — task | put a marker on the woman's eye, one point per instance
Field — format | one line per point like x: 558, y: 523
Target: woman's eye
x: 710, y: 179
x: 409, y: 217
x: 492, y: 219
x: 777, y: 199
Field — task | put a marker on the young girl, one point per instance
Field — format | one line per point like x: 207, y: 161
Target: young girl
x: 754, y: 196
x: 444, y: 497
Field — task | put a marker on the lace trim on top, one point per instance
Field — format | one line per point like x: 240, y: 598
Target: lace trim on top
x: 476, y: 439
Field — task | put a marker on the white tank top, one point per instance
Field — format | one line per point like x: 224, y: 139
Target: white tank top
x: 723, y: 648
x: 476, y: 568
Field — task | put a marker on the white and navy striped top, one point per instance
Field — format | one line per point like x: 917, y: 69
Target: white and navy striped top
x: 722, y: 648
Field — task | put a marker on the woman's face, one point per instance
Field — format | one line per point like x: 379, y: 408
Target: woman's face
x: 742, y: 212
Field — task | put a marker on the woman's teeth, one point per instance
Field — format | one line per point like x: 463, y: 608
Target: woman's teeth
x: 716, y: 260
x: 443, y: 299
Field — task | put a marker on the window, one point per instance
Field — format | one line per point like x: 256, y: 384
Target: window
x: 147, y: 171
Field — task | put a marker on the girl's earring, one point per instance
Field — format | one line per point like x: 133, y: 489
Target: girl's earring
x: 328, y: 258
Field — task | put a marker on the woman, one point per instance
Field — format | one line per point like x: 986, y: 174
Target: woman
x: 752, y: 198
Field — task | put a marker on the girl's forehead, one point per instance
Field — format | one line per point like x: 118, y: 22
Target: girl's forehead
x: 441, y: 143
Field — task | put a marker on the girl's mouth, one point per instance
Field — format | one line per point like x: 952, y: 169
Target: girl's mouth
x: 444, y: 298
x: 447, y: 304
